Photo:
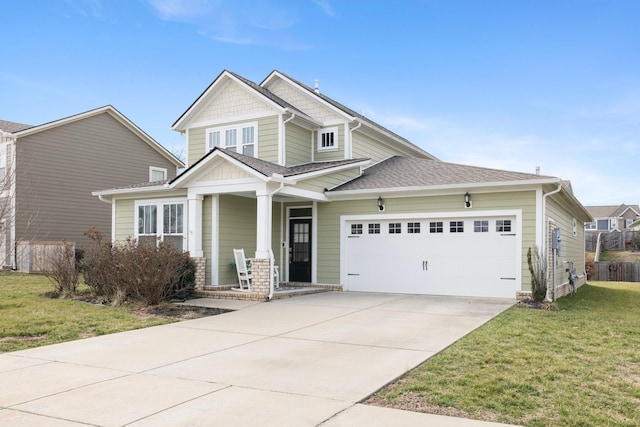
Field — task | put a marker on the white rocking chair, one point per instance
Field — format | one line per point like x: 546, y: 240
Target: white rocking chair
x: 244, y: 275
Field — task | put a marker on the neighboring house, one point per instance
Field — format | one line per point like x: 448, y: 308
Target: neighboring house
x: 612, y: 218
x: 50, y: 170
x: 341, y: 200
x: 634, y: 226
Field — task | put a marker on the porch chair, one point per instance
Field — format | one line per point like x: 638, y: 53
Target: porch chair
x: 275, y: 271
x: 244, y: 275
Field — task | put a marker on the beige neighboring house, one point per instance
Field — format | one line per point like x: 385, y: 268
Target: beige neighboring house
x: 280, y: 168
x: 612, y: 217
x: 49, y: 171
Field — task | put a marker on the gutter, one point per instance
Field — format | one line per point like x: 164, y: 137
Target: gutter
x: 545, y: 232
x: 350, y: 153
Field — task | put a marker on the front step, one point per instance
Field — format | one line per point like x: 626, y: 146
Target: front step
x: 287, y: 290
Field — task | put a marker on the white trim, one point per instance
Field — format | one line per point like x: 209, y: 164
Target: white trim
x: 305, y: 194
x: 113, y: 220
x: 335, y: 140
x: 344, y: 219
x: 314, y: 242
x: 287, y: 236
x: 153, y: 169
x: 215, y: 239
x: 160, y: 203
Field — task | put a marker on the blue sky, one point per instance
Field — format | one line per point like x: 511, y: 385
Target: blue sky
x: 510, y: 84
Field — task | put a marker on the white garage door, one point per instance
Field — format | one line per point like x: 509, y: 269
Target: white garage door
x: 438, y: 256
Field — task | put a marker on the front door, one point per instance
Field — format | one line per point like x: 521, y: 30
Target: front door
x: 300, y: 250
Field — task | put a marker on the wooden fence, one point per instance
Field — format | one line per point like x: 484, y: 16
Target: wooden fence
x: 36, y: 257
x: 617, y: 271
x: 611, y: 241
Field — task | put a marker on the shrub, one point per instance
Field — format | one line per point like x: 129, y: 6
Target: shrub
x: 62, y: 270
x: 538, y: 268
x: 147, y: 273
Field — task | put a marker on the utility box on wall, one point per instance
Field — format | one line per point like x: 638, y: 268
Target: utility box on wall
x: 555, y: 240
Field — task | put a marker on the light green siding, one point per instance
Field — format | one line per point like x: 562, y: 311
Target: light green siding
x: 267, y: 139
x: 365, y: 147
x: 196, y: 145
x: 571, y: 247
x: 338, y: 154
x: 329, y: 181
x: 329, y: 222
x: 125, y: 219
x: 237, y: 229
x: 298, y: 145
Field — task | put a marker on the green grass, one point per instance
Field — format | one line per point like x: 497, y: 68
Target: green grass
x: 578, y: 366
x: 28, y: 319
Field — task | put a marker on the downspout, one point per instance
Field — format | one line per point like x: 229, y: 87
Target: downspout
x: 284, y: 138
x: 350, y: 154
x: 546, y: 234
x: 270, y: 297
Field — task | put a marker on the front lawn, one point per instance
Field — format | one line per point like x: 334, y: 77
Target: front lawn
x: 578, y: 366
x: 29, y: 319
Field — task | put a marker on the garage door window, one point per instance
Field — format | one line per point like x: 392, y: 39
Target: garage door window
x: 481, y: 226
x: 374, y: 228
x: 435, y: 227
x: 413, y: 228
x: 456, y: 226
x: 395, y: 228
x: 503, y: 225
x: 356, y: 228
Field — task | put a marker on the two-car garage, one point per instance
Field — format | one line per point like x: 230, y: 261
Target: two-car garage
x: 444, y: 254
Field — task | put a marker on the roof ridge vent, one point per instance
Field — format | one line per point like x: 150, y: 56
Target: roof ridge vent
x: 316, y: 88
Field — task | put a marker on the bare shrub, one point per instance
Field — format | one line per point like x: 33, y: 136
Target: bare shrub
x: 538, y: 268
x: 62, y: 270
x: 147, y: 273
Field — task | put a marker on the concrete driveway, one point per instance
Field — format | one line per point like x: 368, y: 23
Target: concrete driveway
x: 304, y: 361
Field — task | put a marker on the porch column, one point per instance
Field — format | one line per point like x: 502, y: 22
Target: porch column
x: 264, y: 215
x: 194, y: 226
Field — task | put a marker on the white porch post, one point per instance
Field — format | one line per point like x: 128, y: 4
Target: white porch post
x: 264, y: 214
x: 194, y: 225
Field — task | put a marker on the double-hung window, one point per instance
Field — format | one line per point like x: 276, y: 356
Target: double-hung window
x: 161, y: 222
x: 240, y: 138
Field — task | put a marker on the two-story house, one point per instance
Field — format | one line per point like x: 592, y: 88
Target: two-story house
x: 278, y: 167
x: 49, y: 171
x: 612, y: 217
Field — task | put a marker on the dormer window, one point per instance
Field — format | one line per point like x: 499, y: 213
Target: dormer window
x: 240, y: 138
x: 157, y: 174
x: 328, y: 139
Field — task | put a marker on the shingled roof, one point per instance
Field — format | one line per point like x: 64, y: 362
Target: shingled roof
x: 402, y: 172
x: 610, y: 211
x: 12, y: 127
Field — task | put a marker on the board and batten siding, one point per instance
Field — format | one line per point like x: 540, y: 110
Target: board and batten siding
x: 58, y: 168
x: 329, y: 222
x: 267, y: 139
x: 298, y: 145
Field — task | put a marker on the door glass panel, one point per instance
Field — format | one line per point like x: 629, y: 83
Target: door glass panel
x: 301, y: 242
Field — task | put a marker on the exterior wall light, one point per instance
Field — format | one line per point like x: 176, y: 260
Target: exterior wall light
x: 380, y: 204
x: 467, y: 200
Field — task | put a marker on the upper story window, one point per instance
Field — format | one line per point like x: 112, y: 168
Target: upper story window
x: 240, y: 138
x: 328, y: 139
x: 157, y: 174
x: 590, y: 226
x: 3, y: 161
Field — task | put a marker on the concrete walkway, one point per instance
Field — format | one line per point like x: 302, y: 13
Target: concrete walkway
x: 304, y: 361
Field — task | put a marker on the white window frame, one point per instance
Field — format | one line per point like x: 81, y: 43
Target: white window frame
x: 238, y: 145
x: 3, y: 161
x: 591, y: 225
x: 326, y: 131
x: 153, y: 169
x: 159, y: 229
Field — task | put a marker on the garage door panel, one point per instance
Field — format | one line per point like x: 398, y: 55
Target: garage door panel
x: 467, y: 263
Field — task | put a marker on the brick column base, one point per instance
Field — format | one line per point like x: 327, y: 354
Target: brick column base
x: 201, y: 267
x: 260, y: 272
